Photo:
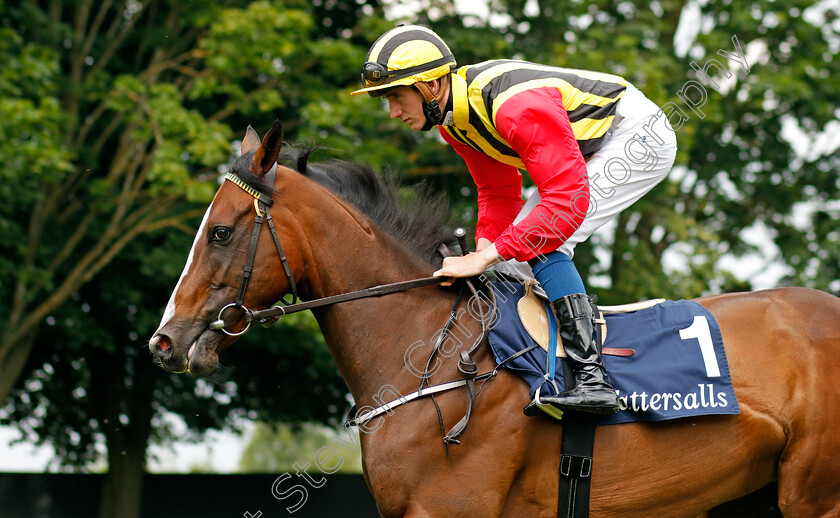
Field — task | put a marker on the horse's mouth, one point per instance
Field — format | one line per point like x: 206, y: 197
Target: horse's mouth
x: 201, y: 356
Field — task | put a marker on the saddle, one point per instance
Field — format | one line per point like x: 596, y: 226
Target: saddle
x: 534, y: 308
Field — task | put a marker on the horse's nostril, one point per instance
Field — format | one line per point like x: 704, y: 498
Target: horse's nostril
x: 161, y: 345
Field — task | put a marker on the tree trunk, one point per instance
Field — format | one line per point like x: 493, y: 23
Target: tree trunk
x: 12, y: 365
x: 122, y: 490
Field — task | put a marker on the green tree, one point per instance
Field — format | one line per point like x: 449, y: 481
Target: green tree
x: 91, y: 382
x: 115, y: 118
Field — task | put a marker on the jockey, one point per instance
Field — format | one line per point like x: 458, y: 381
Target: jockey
x: 592, y: 143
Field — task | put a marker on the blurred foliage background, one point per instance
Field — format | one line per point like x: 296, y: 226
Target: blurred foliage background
x: 116, y: 115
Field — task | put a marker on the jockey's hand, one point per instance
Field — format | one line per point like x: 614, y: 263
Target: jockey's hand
x: 469, y: 265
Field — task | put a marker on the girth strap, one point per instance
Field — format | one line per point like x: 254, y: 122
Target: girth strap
x: 575, y: 480
x: 575, y: 474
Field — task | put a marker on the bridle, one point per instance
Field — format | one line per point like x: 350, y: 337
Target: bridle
x: 267, y: 317
x: 262, y: 204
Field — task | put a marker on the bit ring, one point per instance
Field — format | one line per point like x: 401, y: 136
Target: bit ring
x: 219, y: 324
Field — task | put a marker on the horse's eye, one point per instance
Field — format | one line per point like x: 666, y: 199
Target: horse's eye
x: 221, y: 234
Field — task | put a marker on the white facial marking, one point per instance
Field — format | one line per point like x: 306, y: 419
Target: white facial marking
x: 170, y: 306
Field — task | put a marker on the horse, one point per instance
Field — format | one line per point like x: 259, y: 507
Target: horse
x: 339, y: 230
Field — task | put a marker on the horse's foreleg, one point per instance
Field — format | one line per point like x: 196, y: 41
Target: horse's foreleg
x: 809, y: 480
x: 808, y: 470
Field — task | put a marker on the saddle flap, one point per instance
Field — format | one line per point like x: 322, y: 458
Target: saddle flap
x: 533, y: 314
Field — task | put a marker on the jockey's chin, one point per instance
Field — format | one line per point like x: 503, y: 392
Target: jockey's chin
x: 416, y: 125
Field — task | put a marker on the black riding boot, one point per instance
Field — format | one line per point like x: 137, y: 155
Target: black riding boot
x: 593, y: 392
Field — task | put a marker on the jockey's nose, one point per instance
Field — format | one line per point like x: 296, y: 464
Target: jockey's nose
x: 394, y: 109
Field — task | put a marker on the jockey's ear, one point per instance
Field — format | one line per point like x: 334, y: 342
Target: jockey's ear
x: 435, y: 89
x: 434, y: 86
x: 251, y: 141
x: 266, y: 155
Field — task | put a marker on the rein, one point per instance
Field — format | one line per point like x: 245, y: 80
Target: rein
x: 375, y: 291
x: 267, y: 317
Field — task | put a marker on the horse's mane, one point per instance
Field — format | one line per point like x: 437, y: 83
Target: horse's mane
x: 415, y: 215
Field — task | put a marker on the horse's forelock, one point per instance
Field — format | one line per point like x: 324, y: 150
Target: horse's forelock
x: 242, y: 169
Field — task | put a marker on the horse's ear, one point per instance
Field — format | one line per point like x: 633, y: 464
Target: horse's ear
x: 266, y: 155
x: 251, y: 141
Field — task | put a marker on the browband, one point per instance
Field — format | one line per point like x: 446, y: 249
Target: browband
x: 250, y: 189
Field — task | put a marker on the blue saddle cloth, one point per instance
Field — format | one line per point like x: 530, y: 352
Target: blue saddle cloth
x: 679, y: 368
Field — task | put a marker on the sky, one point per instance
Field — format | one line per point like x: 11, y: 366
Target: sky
x: 219, y: 452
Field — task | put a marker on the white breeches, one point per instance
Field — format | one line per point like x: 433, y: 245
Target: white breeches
x: 633, y: 159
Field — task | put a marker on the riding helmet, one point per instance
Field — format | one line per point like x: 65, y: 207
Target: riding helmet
x: 405, y: 55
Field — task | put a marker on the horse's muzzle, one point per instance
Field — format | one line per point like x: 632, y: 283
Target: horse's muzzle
x: 199, y: 358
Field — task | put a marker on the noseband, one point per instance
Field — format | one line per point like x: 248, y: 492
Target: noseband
x: 262, y: 204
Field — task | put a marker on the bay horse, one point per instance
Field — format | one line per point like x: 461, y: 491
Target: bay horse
x: 340, y: 231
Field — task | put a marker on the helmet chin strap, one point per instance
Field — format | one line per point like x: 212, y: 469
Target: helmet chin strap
x: 431, y: 102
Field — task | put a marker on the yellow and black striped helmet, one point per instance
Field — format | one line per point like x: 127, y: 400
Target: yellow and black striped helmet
x: 403, y: 56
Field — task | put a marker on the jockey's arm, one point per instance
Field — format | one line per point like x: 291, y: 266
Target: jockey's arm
x: 482, y: 243
x: 536, y: 125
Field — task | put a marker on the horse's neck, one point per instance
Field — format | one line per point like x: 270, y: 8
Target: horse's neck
x: 368, y: 338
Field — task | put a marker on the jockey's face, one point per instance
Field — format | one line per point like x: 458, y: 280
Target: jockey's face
x: 406, y: 104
